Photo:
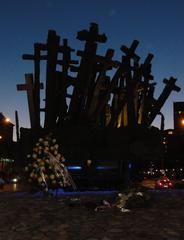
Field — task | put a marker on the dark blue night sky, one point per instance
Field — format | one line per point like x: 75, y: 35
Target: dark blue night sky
x: 158, y: 25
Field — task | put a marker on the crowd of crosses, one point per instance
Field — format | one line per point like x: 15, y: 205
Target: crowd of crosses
x: 99, y: 99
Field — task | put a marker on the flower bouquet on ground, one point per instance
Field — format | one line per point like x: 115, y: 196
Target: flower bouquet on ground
x: 46, y: 169
x: 133, y: 199
x: 126, y: 201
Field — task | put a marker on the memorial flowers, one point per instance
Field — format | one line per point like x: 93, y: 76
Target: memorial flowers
x: 46, y: 168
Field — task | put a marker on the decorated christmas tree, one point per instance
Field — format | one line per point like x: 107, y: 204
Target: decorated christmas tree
x: 46, y: 169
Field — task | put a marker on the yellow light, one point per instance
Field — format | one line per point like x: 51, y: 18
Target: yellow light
x: 182, y: 121
x: 7, y: 120
x: 1, y: 137
x: 170, y: 132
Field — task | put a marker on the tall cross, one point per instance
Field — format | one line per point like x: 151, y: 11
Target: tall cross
x: 169, y: 87
x: 86, y: 71
x: 107, y: 63
x: 36, y: 90
x: 130, y: 82
x: 122, y: 70
x: 29, y: 87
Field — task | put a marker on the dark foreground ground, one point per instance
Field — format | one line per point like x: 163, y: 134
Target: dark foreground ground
x: 25, y: 217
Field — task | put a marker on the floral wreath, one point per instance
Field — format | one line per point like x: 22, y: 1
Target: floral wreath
x: 46, y: 169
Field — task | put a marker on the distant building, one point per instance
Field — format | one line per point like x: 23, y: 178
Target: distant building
x: 173, y: 142
x: 174, y: 139
x: 6, y: 129
x: 6, y: 145
x: 178, y: 117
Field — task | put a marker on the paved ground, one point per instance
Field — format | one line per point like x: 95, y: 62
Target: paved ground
x: 26, y: 217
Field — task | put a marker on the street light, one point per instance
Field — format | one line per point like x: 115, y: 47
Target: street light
x: 1, y: 137
x: 7, y: 120
x: 182, y: 121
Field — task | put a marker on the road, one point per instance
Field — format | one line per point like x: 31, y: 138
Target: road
x: 16, y: 187
x: 12, y: 187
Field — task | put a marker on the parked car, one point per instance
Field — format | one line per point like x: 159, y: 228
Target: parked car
x: 163, y: 183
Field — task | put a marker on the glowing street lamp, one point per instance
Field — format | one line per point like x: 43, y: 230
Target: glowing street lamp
x: 182, y: 121
x: 1, y: 137
x: 7, y: 120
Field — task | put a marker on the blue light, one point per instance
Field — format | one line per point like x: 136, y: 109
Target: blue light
x: 98, y: 167
x: 105, y: 167
x: 61, y: 192
x: 74, y: 167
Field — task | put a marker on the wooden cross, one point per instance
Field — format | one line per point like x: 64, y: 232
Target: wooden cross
x: 54, y: 80
x: 63, y: 80
x: 66, y: 51
x: 170, y: 86
x: 85, y: 76
x: 144, y: 106
x: 36, y: 90
x: 130, y: 52
x: 92, y: 35
x: 121, y: 71
x: 107, y: 63
x: 29, y: 87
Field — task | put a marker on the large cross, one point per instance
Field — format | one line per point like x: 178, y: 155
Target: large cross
x: 144, y: 101
x: 130, y: 52
x: 29, y: 88
x: 121, y: 71
x: 92, y: 35
x: 36, y: 91
x: 85, y: 76
x: 107, y: 63
x: 131, y: 84
x: 169, y: 87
